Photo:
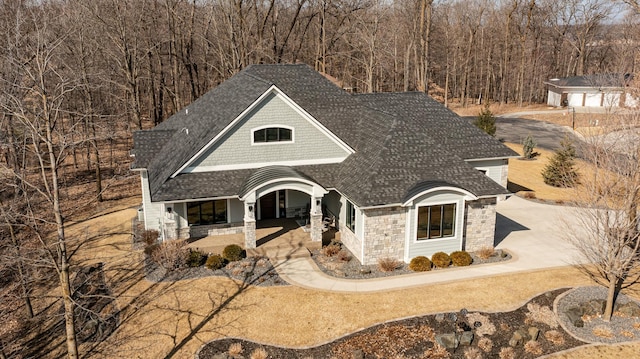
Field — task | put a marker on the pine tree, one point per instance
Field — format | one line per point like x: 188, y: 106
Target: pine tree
x: 486, y: 121
x: 560, y: 171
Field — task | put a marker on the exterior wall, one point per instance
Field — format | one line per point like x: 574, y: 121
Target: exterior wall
x: 497, y: 170
x: 235, y: 210
x: 480, y: 224
x: 152, y: 211
x: 236, y: 147
x: 216, y: 229
x: 554, y: 98
x: 384, y: 234
x: 352, y: 242
x: 575, y: 99
x: 427, y: 247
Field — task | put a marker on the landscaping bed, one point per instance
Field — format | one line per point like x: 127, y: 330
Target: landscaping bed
x: 527, y: 332
x: 341, y: 263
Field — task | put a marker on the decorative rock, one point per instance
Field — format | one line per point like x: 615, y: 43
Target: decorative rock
x: 221, y: 356
x: 365, y: 271
x: 533, y: 333
x: 452, y: 317
x: 440, y: 317
x: 449, y: 341
x: 477, y: 324
x: 357, y: 354
x: 466, y: 338
x: 464, y: 312
x: 593, y: 307
x: 575, y: 316
x: 463, y: 326
x: 516, y: 339
x: 629, y: 309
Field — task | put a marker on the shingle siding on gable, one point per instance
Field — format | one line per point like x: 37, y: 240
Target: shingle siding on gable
x: 236, y: 148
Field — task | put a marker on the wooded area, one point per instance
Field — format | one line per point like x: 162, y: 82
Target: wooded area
x: 77, y: 77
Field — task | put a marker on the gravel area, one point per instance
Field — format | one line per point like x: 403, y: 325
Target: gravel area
x: 338, y: 266
x: 619, y: 329
x: 253, y: 270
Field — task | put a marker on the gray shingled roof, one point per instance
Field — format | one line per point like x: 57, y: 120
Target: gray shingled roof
x: 400, y: 140
x: 595, y: 80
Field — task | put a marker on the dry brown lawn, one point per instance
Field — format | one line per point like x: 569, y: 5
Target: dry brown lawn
x: 175, y: 319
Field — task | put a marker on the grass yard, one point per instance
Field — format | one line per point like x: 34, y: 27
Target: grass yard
x: 173, y: 320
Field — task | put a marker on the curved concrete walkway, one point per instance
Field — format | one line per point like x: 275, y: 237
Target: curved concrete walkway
x: 531, y: 231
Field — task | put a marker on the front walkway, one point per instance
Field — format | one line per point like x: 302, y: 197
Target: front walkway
x: 531, y: 231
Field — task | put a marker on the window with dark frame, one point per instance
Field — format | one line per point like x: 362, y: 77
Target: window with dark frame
x: 436, y: 221
x: 272, y: 134
x: 351, y: 217
x: 207, y: 212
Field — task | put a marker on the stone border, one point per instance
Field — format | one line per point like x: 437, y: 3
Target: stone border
x: 509, y: 309
x: 571, y: 331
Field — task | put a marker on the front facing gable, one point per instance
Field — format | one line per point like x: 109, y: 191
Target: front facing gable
x: 234, y: 147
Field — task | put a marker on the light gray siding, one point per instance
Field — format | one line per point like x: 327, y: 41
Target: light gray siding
x: 236, y: 210
x: 494, y: 169
x: 429, y: 246
x: 235, y: 148
x: 152, y: 211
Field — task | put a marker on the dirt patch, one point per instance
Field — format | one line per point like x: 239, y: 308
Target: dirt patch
x: 417, y: 337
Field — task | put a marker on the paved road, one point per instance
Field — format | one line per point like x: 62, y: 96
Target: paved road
x: 547, y: 135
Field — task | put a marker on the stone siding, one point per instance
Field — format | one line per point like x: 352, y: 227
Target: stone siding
x: 352, y: 242
x: 249, y: 234
x: 505, y: 174
x: 384, y: 234
x: 480, y: 217
x: 216, y: 229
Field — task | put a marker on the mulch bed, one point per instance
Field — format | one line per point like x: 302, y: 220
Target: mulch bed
x: 416, y: 337
x: 347, y: 266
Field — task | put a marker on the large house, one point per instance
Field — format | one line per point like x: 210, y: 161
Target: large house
x: 597, y: 90
x: 401, y: 174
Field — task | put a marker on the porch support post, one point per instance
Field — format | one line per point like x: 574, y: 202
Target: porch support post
x: 315, y: 217
x: 249, y: 225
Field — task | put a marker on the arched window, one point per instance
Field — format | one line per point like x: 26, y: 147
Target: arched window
x: 272, y: 134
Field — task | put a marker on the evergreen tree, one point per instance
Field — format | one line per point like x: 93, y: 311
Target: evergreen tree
x: 528, y: 145
x: 486, y: 121
x: 560, y: 171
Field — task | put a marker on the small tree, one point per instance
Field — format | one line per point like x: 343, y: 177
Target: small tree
x: 486, y: 121
x: 605, y: 230
x: 528, y: 145
x: 560, y: 171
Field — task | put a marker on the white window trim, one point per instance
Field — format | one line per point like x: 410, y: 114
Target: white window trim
x: 293, y: 136
x: 459, y: 204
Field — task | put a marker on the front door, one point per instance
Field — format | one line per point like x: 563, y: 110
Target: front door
x: 268, y: 206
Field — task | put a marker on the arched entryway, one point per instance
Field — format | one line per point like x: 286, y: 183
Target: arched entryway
x: 264, y: 195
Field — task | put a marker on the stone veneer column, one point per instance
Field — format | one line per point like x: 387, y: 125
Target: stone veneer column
x: 316, y: 227
x: 249, y: 225
x: 249, y: 233
x: 481, y: 224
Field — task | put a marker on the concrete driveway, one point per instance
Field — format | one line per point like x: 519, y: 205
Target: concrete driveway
x: 534, y: 233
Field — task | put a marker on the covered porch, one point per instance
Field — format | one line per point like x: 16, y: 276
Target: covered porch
x: 275, y: 238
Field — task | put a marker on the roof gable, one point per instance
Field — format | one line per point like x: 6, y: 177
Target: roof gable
x: 233, y: 147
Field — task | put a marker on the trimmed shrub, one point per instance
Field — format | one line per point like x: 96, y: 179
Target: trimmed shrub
x: 150, y: 236
x: 196, y: 258
x: 441, y: 260
x: 461, y: 258
x: 233, y: 252
x: 388, y: 264
x: 420, y: 264
x: 215, y: 262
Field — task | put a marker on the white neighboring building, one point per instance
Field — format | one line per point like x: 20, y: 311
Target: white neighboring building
x: 598, y: 90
